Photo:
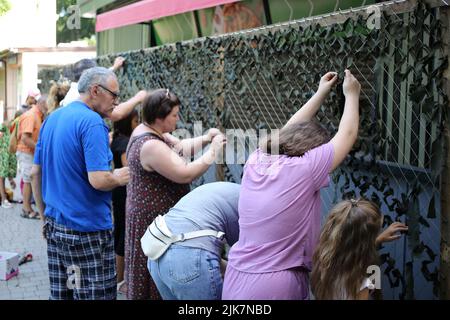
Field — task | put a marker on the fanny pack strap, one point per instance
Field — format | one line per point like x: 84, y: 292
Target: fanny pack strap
x: 196, y: 234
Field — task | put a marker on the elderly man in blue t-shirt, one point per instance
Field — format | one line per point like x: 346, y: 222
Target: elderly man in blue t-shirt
x: 72, y: 164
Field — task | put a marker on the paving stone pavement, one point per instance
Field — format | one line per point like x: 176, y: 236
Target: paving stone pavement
x: 20, y: 235
x: 24, y: 235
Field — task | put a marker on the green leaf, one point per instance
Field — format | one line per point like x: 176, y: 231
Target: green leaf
x: 349, y: 62
x: 417, y: 94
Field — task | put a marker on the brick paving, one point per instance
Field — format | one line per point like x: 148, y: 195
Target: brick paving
x: 24, y: 235
x: 18, y: 234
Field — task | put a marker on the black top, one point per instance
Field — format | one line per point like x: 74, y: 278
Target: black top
x: 119, y: 194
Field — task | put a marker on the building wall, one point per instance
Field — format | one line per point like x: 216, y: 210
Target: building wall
x: 32, y: 60
x: 22, y: 73
x: 2, y: 90
x: 12, y: 77
x: 123, y: 39
x: 34, y: 24
x: 237, y: 16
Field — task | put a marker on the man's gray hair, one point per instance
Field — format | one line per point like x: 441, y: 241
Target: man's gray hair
x: 96, y: 75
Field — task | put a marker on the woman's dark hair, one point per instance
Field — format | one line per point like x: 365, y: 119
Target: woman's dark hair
x: 123, y: 126
x: 297, y: 139
x: 158, y: 104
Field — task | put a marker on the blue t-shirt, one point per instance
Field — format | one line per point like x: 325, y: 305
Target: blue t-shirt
x: 212, y: 206
x: 72, y: 142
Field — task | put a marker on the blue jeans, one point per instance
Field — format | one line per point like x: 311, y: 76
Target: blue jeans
x: 184, y: 273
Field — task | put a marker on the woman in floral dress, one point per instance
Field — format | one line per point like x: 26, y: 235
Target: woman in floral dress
x: 159, y: 177
x: 8, y: 164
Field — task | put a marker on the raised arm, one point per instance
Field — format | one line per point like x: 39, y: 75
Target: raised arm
x: 125, y: 108
x: 309, y: 110
x: 157, y: 156
x: 393, y: 232
x: 118, y: 63
x: 348, y: 127
x: 189, y: 147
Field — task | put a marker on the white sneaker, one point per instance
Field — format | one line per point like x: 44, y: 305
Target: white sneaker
x: 6, y: 204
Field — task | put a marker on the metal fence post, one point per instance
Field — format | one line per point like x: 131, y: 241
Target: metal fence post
x: 220, y: 167
x: 445, y: 187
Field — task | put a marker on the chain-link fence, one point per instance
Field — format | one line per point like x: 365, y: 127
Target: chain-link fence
x: 258, y: 78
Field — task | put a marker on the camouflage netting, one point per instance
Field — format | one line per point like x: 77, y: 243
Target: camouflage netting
x: 259, y: 79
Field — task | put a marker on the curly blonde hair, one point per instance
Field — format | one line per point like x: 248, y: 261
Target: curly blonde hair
x: 57, y: 93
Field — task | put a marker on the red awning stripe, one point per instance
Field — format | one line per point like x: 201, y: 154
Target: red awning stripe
x: 147, y: 10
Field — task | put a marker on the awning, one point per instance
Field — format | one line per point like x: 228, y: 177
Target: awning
x: 147, y: 10
x: 88, y: 8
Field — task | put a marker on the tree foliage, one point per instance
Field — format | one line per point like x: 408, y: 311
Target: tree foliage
x: 4, y: 6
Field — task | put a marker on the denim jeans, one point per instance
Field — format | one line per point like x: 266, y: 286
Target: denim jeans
x: 184, y: 273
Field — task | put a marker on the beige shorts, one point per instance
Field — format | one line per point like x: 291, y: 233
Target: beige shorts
x: 25, y: 162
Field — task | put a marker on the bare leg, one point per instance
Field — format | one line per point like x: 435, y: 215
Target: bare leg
x: 2, y: 189
x: 12, y: 183
x: 27, y: 197
x: 120, y: 266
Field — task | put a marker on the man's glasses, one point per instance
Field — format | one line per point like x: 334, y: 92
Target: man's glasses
x: 114, y: 94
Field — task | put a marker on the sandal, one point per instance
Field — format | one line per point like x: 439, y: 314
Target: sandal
x: 25, y: 214
x: 122, y: 287
x: 35, y: 216
x: 25, y: 258
x: 30, y: 214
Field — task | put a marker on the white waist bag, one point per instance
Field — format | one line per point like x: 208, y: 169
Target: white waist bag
x: 158, y: 238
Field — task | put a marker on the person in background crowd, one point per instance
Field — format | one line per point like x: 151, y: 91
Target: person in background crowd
x: 13, y: 130
x: 121, y: 135
x: 31, y: 100
x: 121, y: 110
x: 8, y: 165
x: 28, y: 131
x: 57, y: 93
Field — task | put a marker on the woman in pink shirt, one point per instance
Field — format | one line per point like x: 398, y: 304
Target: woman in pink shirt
x: 279, y: 204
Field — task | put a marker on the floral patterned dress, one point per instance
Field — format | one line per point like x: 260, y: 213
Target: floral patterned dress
x: 8, y: 162
x: 149, y: 194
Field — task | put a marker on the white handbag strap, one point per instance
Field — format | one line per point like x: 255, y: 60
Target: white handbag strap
x: 196, y: 234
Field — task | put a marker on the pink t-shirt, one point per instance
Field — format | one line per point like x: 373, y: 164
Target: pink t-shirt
x: 279, y: 210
